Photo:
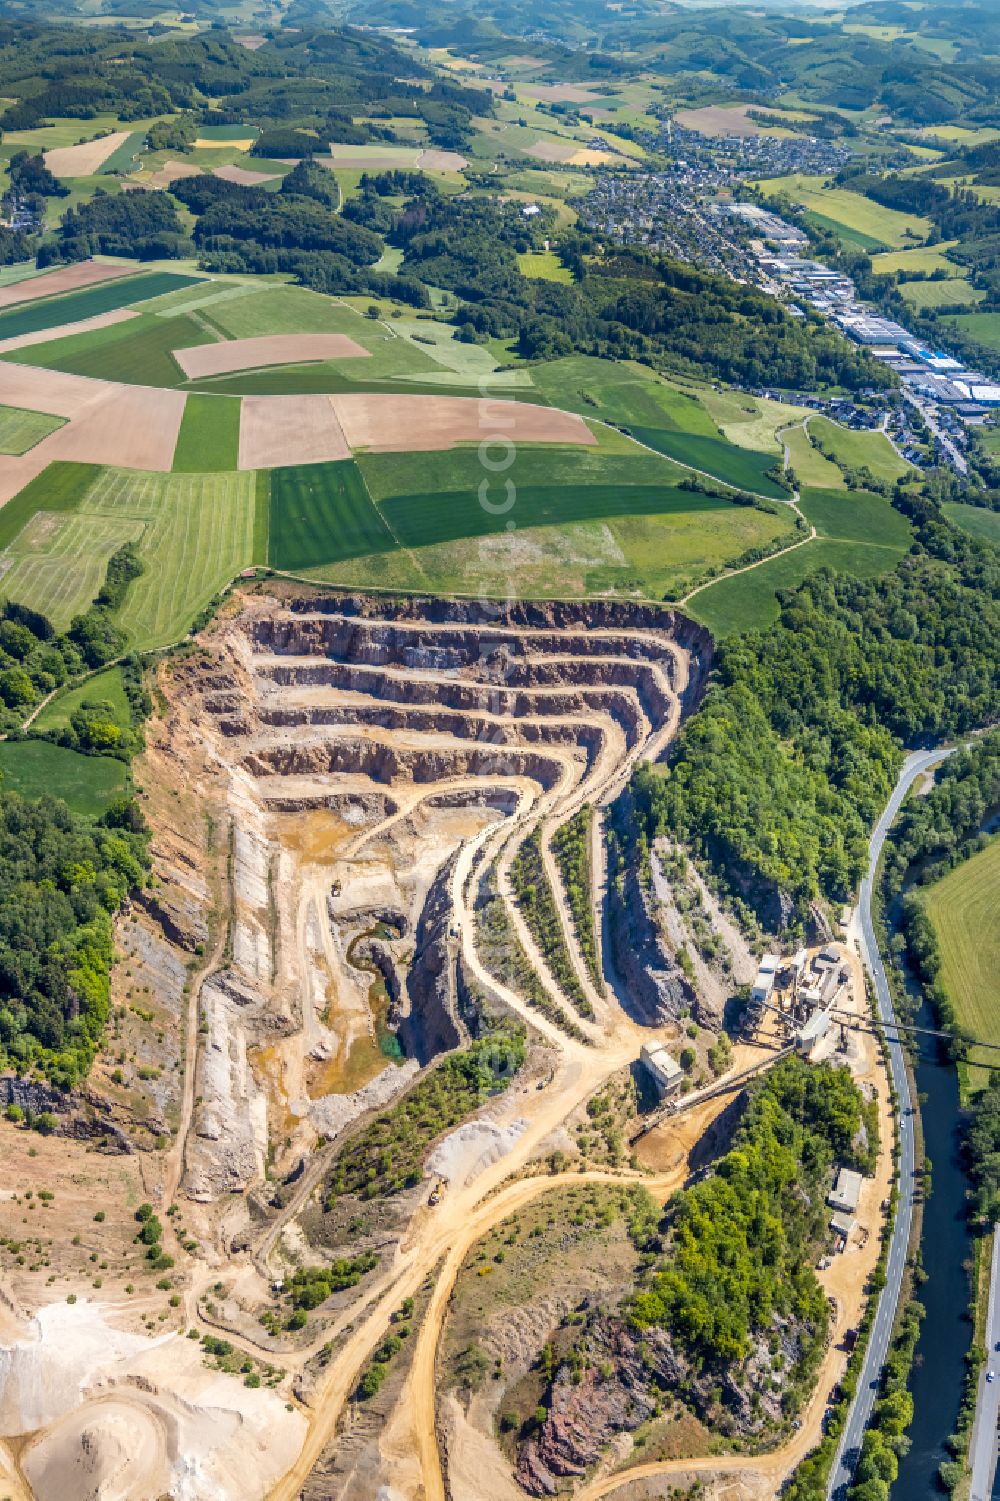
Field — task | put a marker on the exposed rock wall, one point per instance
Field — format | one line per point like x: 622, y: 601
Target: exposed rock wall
x: 656, y: 987
x: 390, y: 763
x: 621, y: 1387
x: 229, y: 1148
x: 432, y: 1025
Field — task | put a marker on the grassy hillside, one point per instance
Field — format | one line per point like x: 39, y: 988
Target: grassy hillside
x: 964, y: 909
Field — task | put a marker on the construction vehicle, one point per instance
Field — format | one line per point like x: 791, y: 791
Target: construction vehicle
x: 436, y: 1192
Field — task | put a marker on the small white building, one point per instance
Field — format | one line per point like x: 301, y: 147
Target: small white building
x: 842, y: 1225
x: 767, y: 972
x: 813, y: 1032
x: 846, y: 1192
x: 666, y: 1071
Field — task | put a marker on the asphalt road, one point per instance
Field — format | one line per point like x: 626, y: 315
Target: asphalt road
x: 983, y: 1445
x: 878, y: 1341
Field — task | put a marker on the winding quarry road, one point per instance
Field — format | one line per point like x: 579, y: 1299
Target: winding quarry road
x: 842, y: 1473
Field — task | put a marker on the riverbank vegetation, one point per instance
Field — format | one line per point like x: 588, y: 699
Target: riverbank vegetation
x: 942, y: 848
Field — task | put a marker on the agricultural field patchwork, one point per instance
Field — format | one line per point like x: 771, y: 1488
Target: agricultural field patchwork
x: 137, y: 352
x: 75, y: 306
x: 196, y: 534
x: 58, y: 489
x: 193, y: 532
x: 58, y: 561
x: 655, y: 557
x: 589, y: 522
x: 678, y: 423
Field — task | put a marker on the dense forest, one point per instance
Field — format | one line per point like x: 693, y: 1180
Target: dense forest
x: 63, y: 876
x: 776, y: 781
x: 627, y: 304
x: 61, y: 879
x: 317, y: 78
x: 741, y: 1245
x: 729, y: 1265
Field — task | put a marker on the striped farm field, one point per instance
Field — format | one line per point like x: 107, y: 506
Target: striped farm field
x: 209, y: 439
x: 74, y: 306
x: 21, y: 429
x: 58, y: 561
x: 196, y: 533
x: 323, y: 513
x: 964, y: 910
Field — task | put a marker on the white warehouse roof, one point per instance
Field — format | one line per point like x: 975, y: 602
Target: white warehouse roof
x: 846, y: 1191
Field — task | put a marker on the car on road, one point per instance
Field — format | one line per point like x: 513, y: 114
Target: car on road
x: 991, y: 1375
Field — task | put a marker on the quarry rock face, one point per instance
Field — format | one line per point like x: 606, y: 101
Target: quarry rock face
x: 358, y: 746
x: 626, y: 1378
x: 656, y: 986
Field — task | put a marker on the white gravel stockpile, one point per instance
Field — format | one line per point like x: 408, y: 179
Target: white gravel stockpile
x: 116, y: 1414
x: 472, y: 1148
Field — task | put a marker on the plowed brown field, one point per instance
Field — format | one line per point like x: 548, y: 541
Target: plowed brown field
x: 413, y: 423
x: 270, y: 349
x: 289, y: 430
x: 66, y: 279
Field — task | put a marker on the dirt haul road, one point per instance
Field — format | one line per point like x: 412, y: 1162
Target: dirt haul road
x: 844, y: 1281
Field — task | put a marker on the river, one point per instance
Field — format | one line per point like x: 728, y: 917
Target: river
x: 938, y: 1377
